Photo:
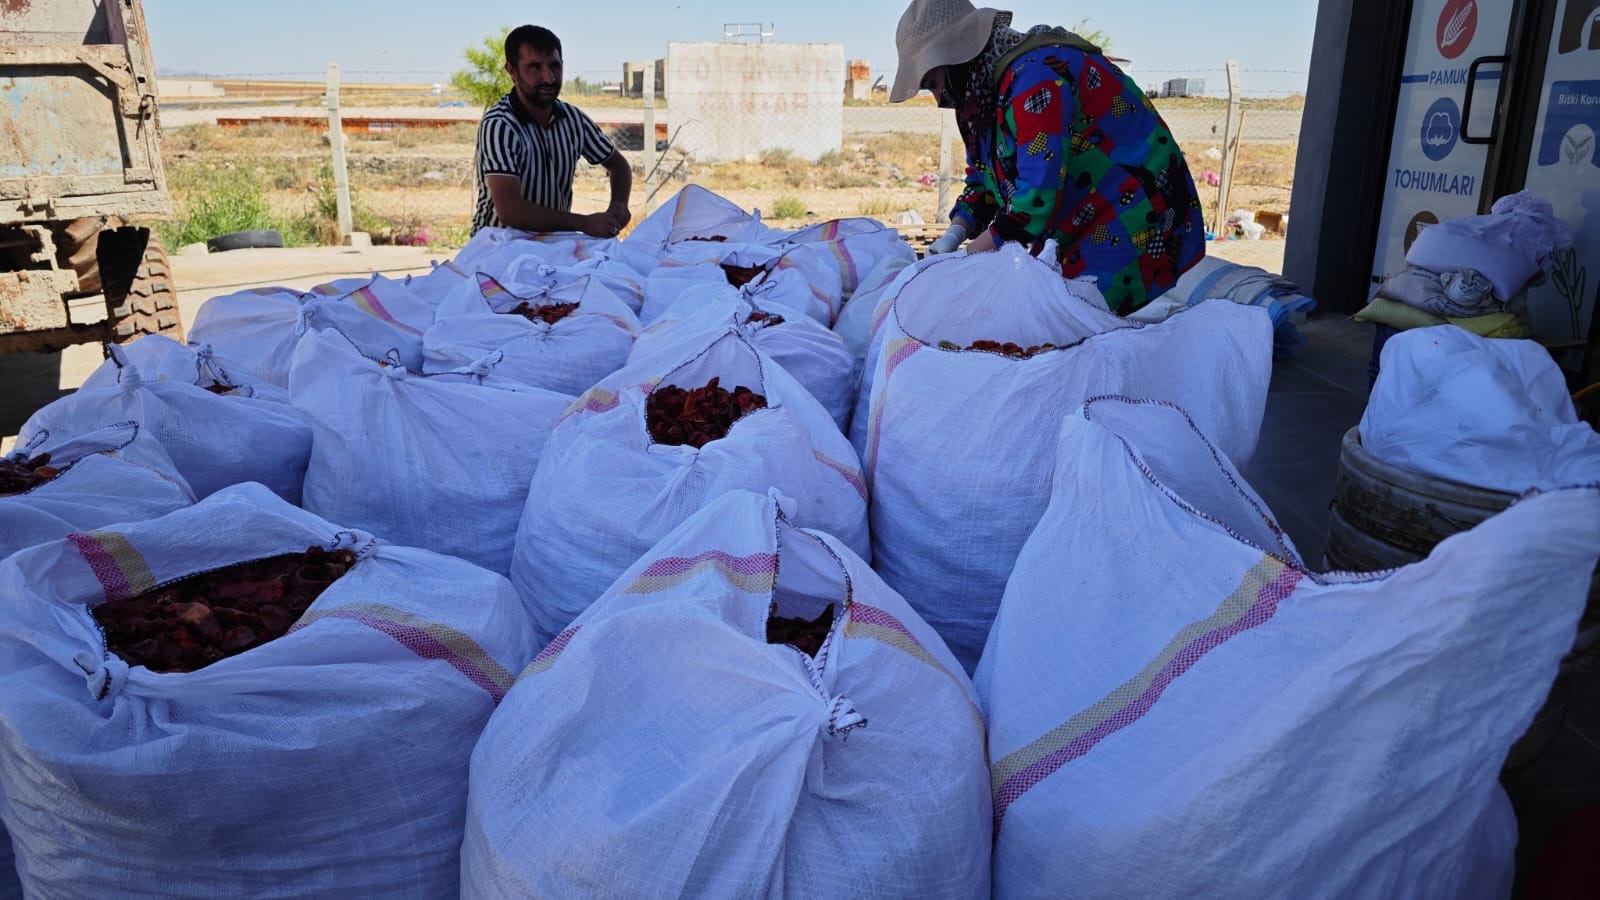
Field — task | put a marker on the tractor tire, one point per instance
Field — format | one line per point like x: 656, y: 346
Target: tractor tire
x: 75, y: 249
x: 152, y: 303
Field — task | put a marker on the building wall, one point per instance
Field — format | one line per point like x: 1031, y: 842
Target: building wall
x: 732, y: 100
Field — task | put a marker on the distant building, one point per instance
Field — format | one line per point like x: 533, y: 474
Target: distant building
x: 1183, y: 87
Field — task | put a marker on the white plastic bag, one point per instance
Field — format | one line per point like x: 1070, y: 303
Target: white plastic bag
x: 214, y: 440
x: 857, y: 245
x: 815, y: 356
x: 567, y: 356
x: 160, y: 358
x: 693, y: 213
x: 958, y: 444
x: 1178, y: 709
x: 433, y: 287
x: 1512, y: 245
x: 697, y: 264
x: 854, y: 324
x: 417, y: 460
x: 660, y: 747
x: 605, y: 492
x: 329, y: 762
x: 114, y: 473
x: 1485, y: 412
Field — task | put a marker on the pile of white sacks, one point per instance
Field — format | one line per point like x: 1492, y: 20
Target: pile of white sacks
x: 548, y: 673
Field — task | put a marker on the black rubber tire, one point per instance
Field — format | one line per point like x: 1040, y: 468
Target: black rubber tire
x: 152, y: 303
x: 244, y: 240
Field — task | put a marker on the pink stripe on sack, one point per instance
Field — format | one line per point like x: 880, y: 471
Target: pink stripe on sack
x: 754, y: 564
x: 105, y: 568
x: 367, y: 300
x: 490, y: 288
x: 1265, y: 606
x: 899, y: 351
x: 547, y: 656
x: 418, y: 640
x: 850, y: 474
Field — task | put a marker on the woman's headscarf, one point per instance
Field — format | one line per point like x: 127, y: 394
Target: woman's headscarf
x: 976, y: 105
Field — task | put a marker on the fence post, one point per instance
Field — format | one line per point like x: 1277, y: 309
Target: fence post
x: 947, y: 119
x: 341, y: 176
x: 649, y: 138
x: 1230, y: 147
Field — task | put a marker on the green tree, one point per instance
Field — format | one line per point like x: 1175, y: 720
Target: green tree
x: 1093, y: 35
x: 485, y: 79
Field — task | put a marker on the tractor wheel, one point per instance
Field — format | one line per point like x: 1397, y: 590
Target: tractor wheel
x: 151, y: 306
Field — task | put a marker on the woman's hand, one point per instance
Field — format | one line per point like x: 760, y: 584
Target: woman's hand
x: 983, y: 243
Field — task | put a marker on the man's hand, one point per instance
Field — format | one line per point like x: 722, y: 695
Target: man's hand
x: 620, y: 216
x: 950, y: 241
x: 600, y: 225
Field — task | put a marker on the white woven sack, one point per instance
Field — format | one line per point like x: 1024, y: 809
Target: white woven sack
x: 160, y: 358
x: 617, y: 277
x: 256, y: 329
x: 329, y: 762
x: 1485, y: 412
x: 214, y: 440
x: 433, y: 287
x: 660, y: 747
x: 815, y: 356
x: 692, y: 213
x: 854, y: 324
x: 1178, y: 709
x: 958, y: 444
x: 496, y: 250
x: 697, y: 264
x: 416, y: 460
x: 567, y: 356
x: 857, y: 245
x: 113, y: 473
x: 805, y: 278
x: 605, y: 492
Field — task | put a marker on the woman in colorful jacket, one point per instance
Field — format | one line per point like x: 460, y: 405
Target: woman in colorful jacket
x: 1060, y: 145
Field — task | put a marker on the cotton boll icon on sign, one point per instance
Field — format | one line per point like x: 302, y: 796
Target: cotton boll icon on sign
x: 1441, y: 130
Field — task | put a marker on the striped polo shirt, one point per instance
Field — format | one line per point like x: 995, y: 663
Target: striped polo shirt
x: 510, y: 142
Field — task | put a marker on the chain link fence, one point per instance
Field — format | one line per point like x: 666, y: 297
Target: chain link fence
x: 409, y: 152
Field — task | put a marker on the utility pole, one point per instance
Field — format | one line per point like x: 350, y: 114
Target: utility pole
x: 341, y: 176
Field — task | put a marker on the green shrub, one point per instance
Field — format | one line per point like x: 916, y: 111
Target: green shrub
x: 788, y: 208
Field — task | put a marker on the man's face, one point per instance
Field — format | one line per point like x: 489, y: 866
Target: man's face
x: 537, y: 76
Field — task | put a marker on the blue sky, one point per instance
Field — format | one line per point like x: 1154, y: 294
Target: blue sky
x: 410, y: 40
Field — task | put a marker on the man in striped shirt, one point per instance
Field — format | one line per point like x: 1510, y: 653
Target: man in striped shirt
x: 528, y: 148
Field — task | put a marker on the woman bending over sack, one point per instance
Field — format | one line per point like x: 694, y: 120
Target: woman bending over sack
x: 1060, y: 145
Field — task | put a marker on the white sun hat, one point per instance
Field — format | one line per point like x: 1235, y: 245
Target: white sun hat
x: 934, y: 33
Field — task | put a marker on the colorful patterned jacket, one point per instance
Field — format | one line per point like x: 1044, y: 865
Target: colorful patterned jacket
x: 1077, y: 153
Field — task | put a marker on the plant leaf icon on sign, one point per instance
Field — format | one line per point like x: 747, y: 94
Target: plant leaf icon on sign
x: 1456, y: 27
x: 1441, y: 130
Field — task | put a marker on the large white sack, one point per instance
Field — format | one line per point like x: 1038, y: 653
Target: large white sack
x: 660, y: 747
x: 805, y: 278
x: 497, y: 250
x: 854, y: 324
x: 114, y: 473
x: 1486, y: 412
x: 257, y: 330
x: 1177, y: 708
x: 1512, y: 245
x: 329, y: 762
x: 958, y: 444
x: 567, y: 356
x: 433, y: 287
x: 615, y: 276
x: 415, y: 459
x: 693, y: 213
x: 692, y: 265
x: 214, y: 440
x: 160, y: 358
x: 605, y: 492
x: 815, y: 356
x: 857, y: 246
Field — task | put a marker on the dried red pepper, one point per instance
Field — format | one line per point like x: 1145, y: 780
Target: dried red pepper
x: 193, y: 622
x: 739, y: 276
x: 805, y: 636
x: 23, y: 473
x: 217, y: 387
x: 550, y: 312
x: 698, y: 416
x: 765, y: 319
x: 1016, y: 351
